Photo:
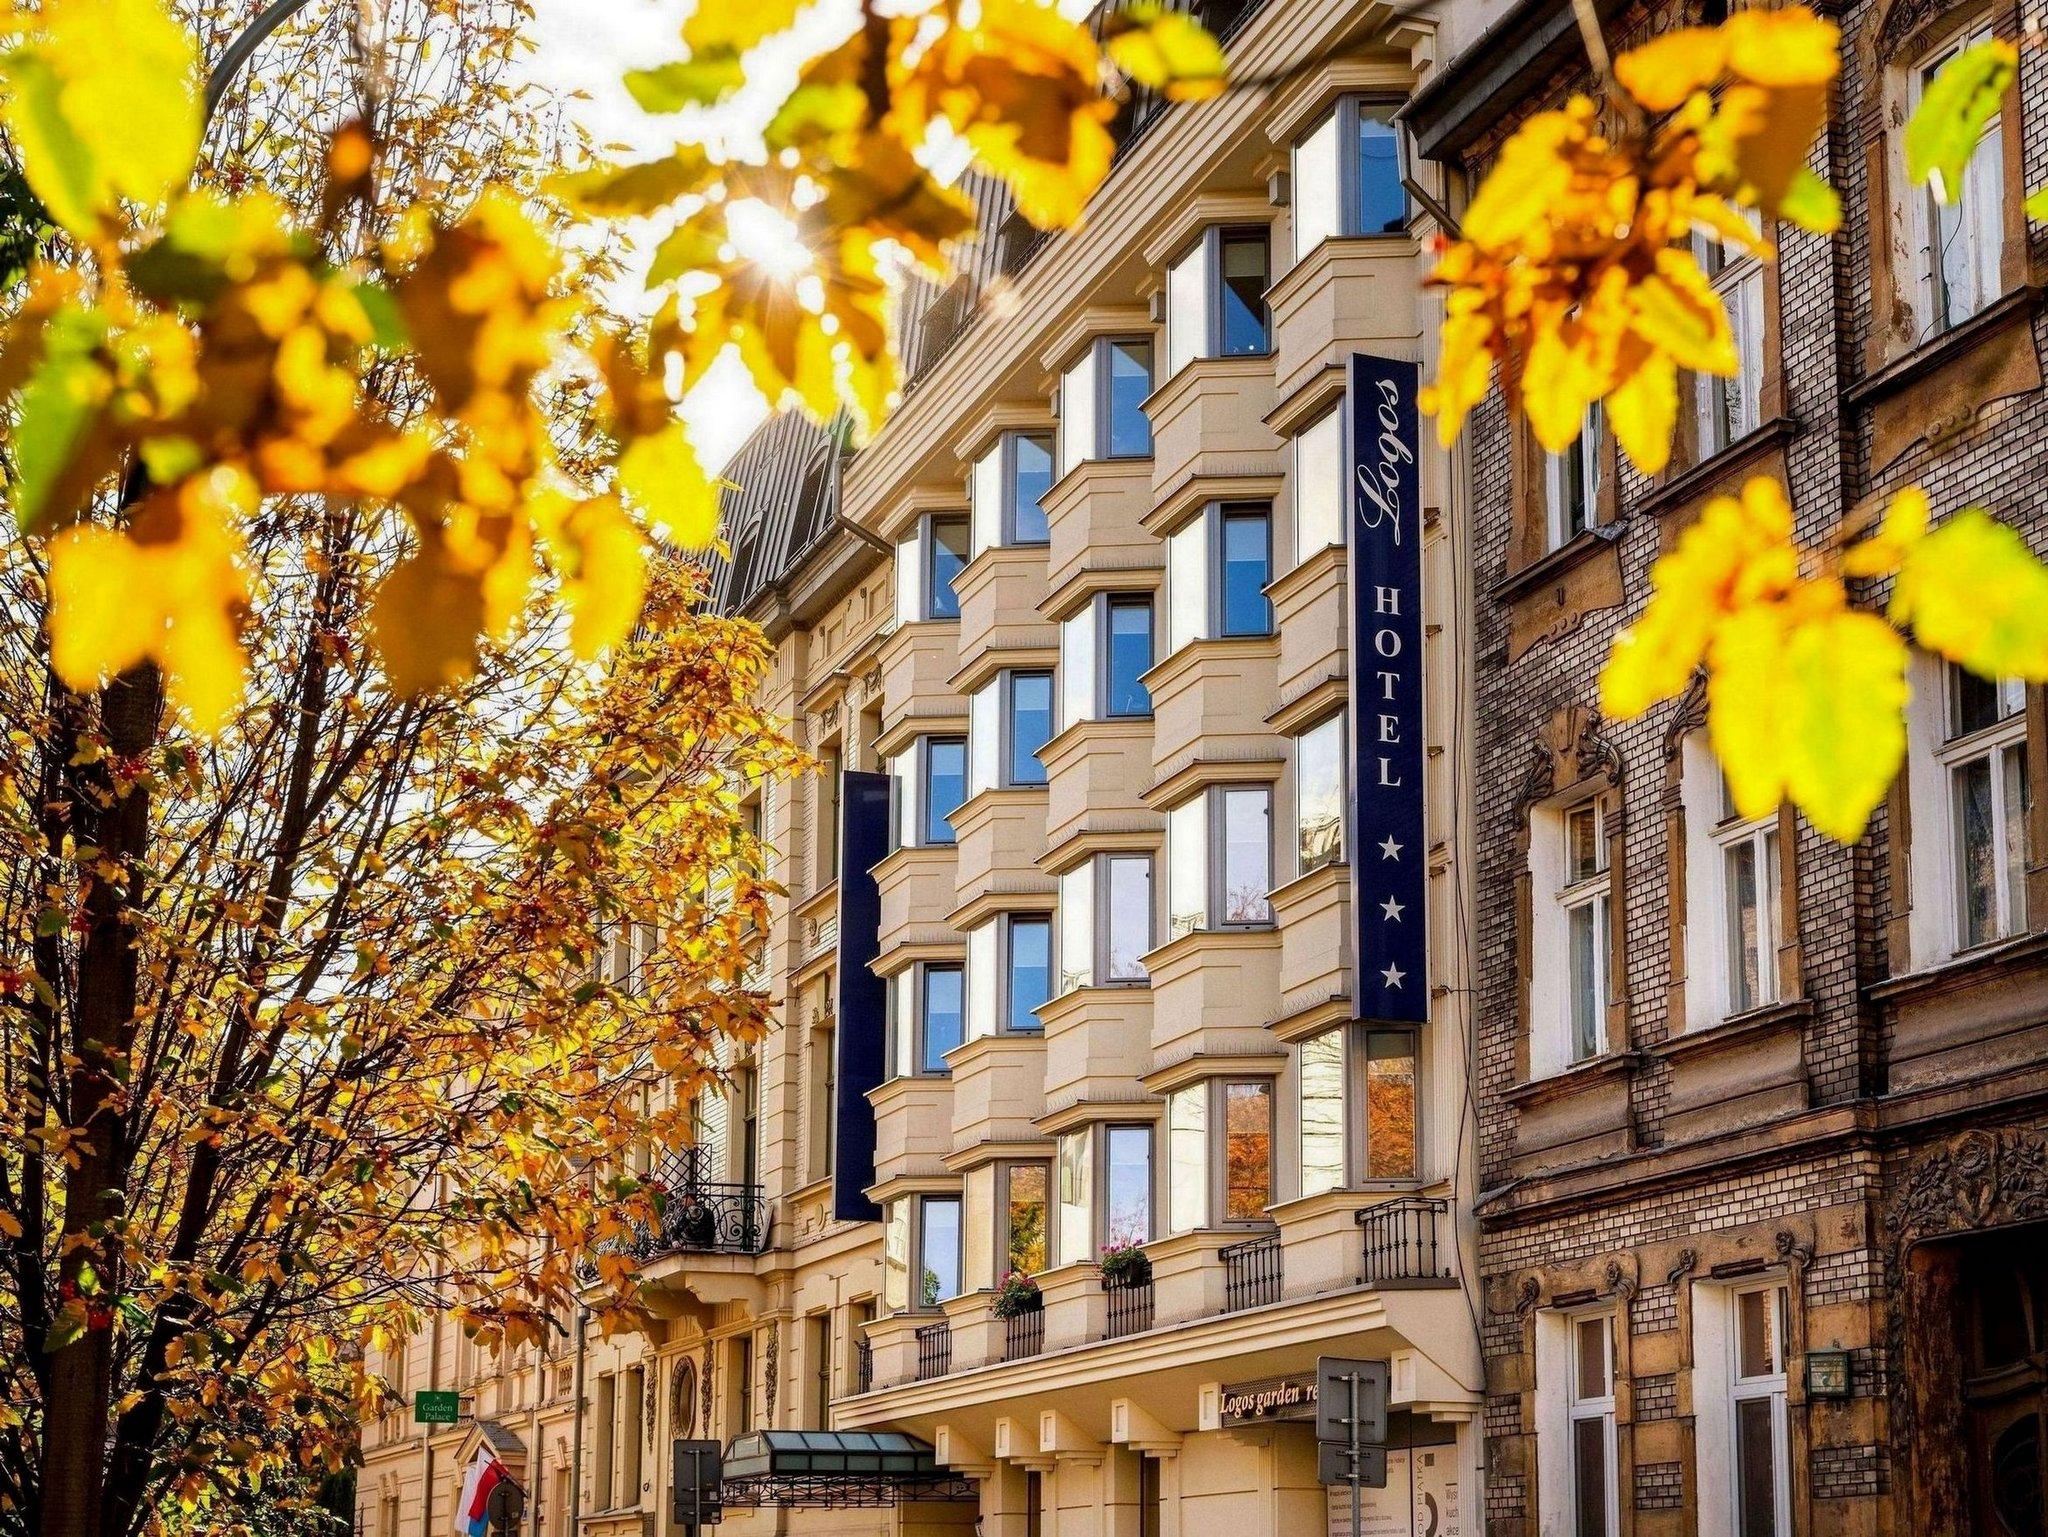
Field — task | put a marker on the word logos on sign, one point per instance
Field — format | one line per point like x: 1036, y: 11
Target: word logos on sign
x: 1274, y: 1398
x: 1389, y: 854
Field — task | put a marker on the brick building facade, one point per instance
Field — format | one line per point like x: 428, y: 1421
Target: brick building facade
x: 1764, y: 1147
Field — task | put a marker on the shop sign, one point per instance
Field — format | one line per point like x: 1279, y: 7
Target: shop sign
x: 1270, y: 1398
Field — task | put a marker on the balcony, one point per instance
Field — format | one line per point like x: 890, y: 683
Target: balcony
x: 934, y: 1350
x: 1309, y: 603
x: 1402, y: 1242
x: 1024, y: 1335
x: 1213, y: 992
x: 1128, y: 1304
x: 1251, y: 1273
x: 1098, y: 1041
x: 1000, y: 833
x: 917, y: 662
x: 698, y: 1216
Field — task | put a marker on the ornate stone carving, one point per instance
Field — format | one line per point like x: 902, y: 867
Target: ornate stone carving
x: 1688, y: 1261
x: 1530, y: 1293
x: 773, y: 1368
x: 682, y: 1399
x: 1903, y: 20
x: 1796, y: 1254
x: 1689, y: 717
x: 1572, y: 748
x: 1976, y: 1180
x: 650, y: 1398
x: 1619, y: 1279
x: 704, y: 1388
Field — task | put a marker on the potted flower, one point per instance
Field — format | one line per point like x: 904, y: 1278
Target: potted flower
x: 1124, y: 1265
x: 1018, y: 1295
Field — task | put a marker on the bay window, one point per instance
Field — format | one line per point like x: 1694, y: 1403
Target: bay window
x: 1105, y: 652
x: 1026, y: 1207
x: 1959, y: 231
x: 1319, y: 485
x: 1571, y: 483
x: 1007, y: 488
x: 1105, y: 921
x: 1347, y: 176
x: 928, y: 561
x: 1357, y: 1101
x: 1217, y: 567
x: 1009, y: 974
x: 1219, y: 860
x: 1319, y: 795
x: 896, y: 1256
x: 1230, y: 1176
x: 1102, y: 402
x: 1009, y: 720
x: 926, y: 1017
x: 1729, y: 409
x: 1077, y: 1196
x: 929, y: 781
x: 938, y: 1249
x: 1105, y: 1189
x: 1216, y: 298
x: 1187, y: 1158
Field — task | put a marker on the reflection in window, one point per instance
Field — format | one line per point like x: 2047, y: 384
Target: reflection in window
x: 942, y: 1017
x: 1028, y: 984
x: 1963, y: 238
x: 1130, y: 916
x: 1076, y: 1175
x: 1127, y: 1185
x: 1024, y: 1213
x: 1322, y: 1112
x: 1187, y: 1158
x: 945, y: 786
x: 1319, y: 795
x: 1986, y: 760
x: 939, y: 1250
x: 1248, y: 1150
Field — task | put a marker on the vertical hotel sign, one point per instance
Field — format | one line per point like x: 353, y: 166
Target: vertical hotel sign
x: 1388, y: 875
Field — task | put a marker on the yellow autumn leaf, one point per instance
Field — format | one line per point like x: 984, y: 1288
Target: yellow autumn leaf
x: 610, y: 580
x: 1973, y: 591
x: 1667, y: 69
x: 1166, y: 50
x: 1522, y: 190
x: 1676, y: 310
x: 425, y: 621
x: 660, y: 474
x: 1805, y: 702
x: 1791, y: 46
x: 728, y: 24
x: 1643, y: 411
x: 1904, y: 526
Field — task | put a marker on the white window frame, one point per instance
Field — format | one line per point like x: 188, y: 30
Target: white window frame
x: 1562, y: 1407
x: 992, y: 491
x: 1194, y: 293
x: 1713, y: 832
x: 1553, y: 1045
x: 1576, y: 470
x: 1312, y: 162
x: 1978, y: 211
x: 1728, y: 410
x: 1086, y: 418
x: 916, y: 587
x: 1719, y: 1388
x: 1999, y: 744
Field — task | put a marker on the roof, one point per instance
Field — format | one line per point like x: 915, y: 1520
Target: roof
x: 1496, y: 76
x: 781, y: 501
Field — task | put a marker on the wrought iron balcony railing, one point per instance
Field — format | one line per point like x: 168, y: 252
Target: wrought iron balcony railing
x: 1024, y: 1335
x: 863, y: 1366
x: 934, y: 1350
x: 698, y: 1216
x: 1251, y: 1272
x: 1401, y: 1241
x: 1130, y: 1303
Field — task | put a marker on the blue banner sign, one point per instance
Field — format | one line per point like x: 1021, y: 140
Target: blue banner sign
x: 859, y: 1041
x: 1389, y: 875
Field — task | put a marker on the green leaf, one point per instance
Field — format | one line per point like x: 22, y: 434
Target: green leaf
x: 689, y: 247
x: 1962, y: 97
x: 700, y: 81
x: 67, y: 1328
x: 387, y: 321
x: 59, y: 407
x: 2036, y: 205
x: 1810, y: 203
x: 639, y: 188
x: 1973, y: 591
x: 104, y: 105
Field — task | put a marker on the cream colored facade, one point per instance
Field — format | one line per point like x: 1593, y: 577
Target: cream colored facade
x: 1279, y: 1223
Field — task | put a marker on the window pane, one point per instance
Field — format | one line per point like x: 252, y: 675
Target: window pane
x: 1187, y: 584
x: 1585, y: 849
x: 1076, y: 1183
x: 1130, y: 656
x: 1033, y: 471
x: 1127, y: 1181
x: 945, y: 786
x: 942, y: 1022
x: 903, y: 1023
x: 1077, y: 927
x: 2018, y: 801
x: 1319, y: 486
x: 1187, y: 867
x: 941, y: 1257
x: 1077, y: 412
x: 1030, y: 725
x: 1315, y: 190
x: 1756, y: 1458
x: 909, y: 581
x: 1024, y: 1218
x: 1248, y: 1151
x: 1322, y: 1112
x: 1247, y: 860
x: 949, y: 554
x: 1744, y: 938
x: 985, y: 497
x: 1975, y: 703
x: 1382, y: 202
x: 981, y: 977
x: 896, y: 1257
x: 1589, y: 1475
x: 1247, y: 567
x: 984, y: 736
x: 1130, y: 382
x: 1077, y: 667
x: 1319, y: 795
x: 1130, y: 917
x: 1243, y: 294
x: 1030, y: 979
x: 1756, y: 1334
x: 1187, y: 309
x: 1390, y: 1105
x: 1976, y: 851
x: 1587, y: 991
x: 1187, y: 1158
x: 1590, y: 1351
x: 903, y: 797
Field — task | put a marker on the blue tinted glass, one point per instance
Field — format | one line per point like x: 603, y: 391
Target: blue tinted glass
x: 1130, y: 658
x: 1245, y: 574
x: 1034, y: 477
x: 945, y: 787
x: 1382, y: 204
x: 940, y: 1260
x: 1030, y: 725
x: 942, y: 1000
x: 949, y: 554
x: 1030, y: 970
x: 1130, y: 381
x: 1243, y: 294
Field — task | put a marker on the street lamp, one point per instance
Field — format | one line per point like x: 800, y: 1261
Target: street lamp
x: 275, y: 15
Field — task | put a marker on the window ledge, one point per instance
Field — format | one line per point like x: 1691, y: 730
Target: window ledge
x: 1549, y: 568
x: 1682, y: 487
x: 1568, y: 1081
x: 2022, y: 951
x: 1931, y: 354
x: 1737, y: 1030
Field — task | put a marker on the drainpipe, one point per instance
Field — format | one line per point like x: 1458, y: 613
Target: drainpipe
x: 576, y: 1434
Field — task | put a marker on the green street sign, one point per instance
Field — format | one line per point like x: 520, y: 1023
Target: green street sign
x: 431, y: 1408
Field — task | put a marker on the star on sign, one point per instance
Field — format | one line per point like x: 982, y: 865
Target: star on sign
x: 1389, y: 849
x: 1393, y: 975
x: 1392, y: 909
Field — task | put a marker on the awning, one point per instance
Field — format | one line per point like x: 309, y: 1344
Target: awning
x: 835, y: 1468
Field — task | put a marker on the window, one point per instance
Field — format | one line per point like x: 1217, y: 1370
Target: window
x: 1319, y: 795
x: 1077, y: 1195
x: 1105, y: 652
x: 1102, y: 402
x: 1347, y: 176
x: 1594, y: 1488
x: 1960, y: 230
x: 938, y: 1249
x: 1319, y: 485
x: 1105, y: 921
x: 1026, y: 1188
x: 1127, y: 1185
x: 1357, y: 1107
x: 1006, y: 488
x: 929, y: 779
x: 1743, y: 1443
x: 1730, y: 409
x: 1985, y: 759
x: 1228, y: 888
x: 1569, y: 994
x: 1571, y: 483
x: 927, y: 562
x: 1217, y: 567
x: 1187, y: 1158
x: 1009, y: 974
x: 926, y: 1020
x: 1216, y: 298
x: 1009, y: 719
x: 1731, y: 904
x: 632, y: 1399
x: 818, y: 1350
x: 742, y: 1380
x: 1236, y: 1178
